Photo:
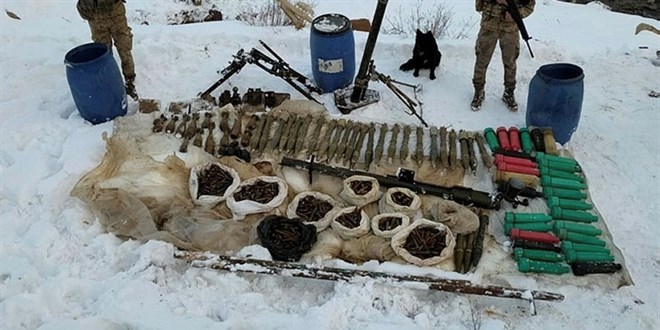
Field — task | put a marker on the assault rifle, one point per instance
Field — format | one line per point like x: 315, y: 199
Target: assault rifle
x: 277, y: 67
x: 512, y: 8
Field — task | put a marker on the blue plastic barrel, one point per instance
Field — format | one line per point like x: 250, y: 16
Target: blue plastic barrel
x: 332, y: 48
x: 96, y: 83
x: 555, y: 99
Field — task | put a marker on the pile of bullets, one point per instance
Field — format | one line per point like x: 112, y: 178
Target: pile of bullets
x: 312, y: 209
x: 214, y: 181
x: 389, y: 223
x: 260, y: 192
x: 350, y: 219
x: 425, y: 242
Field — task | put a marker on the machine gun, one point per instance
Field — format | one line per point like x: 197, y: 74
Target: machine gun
x: 512, y: 8
x: 277, y: 67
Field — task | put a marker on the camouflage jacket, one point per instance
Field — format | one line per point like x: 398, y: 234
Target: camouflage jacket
x: 99, y: 9
x: 493, y: 15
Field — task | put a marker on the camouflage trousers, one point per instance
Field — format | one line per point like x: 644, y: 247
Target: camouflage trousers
x: 509, y: 41
x: 107, y: 30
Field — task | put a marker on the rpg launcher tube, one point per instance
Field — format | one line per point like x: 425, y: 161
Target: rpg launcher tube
x: 560, y: 174
x: 536, y: 246
x: 491, y: 139
x: 558, y: 213
x: 539, y: 255
x: 568, y: 204
x: 549, y: 192
x: 514, y: 138
x: 526, y: 265
x: 541, y: 227
x: 526, y: 141
x: 518, y: 169
x: 541, y: 156
x: 537, y: 139
x: 548, y: 181
x: 564, y: 234
x: 528, y: 180
x: 568, y: 245
x: 515, y: 161
x: 594, y: 267
x: 518, y: 234
x: 510, y: 217
x: 577, y: 228
x: 503, y: 138
x: 573, y: 256
x: 549, y: 142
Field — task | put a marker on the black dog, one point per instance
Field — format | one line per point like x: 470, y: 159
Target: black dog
x: 425, y: 54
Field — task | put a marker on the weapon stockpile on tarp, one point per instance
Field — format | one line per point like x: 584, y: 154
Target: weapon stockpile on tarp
x: 315, y: 189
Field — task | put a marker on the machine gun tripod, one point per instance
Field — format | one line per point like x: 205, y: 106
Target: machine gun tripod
x: 277, y: 67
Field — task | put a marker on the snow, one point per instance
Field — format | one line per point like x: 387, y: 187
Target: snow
x: 60, y: 270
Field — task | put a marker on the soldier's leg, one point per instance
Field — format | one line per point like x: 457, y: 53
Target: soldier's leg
x: 484, y: 48
x: 510, y: 45
x: 123, y: 37
x: 101, y: 32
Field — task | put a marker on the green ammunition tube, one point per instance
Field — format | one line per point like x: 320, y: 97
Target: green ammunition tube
x: 560, y: 174
x: 511, y: 217
x: 577, y: 228
x: 541, y: 227
x: 560, y: 166
x: 573, y: 194
x: 568, y: 245
x: 573, y: 256
x: 491, y: 139
x: 541, y: 155
x: 558, y: 213
x: 564, y: 234
x: 540, y: 255
x: 526, y: 140
x: 530, y: 266
x: 548, y: 181
x: 568, y: 204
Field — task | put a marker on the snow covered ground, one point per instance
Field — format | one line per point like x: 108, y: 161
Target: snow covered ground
x: 60, y: 270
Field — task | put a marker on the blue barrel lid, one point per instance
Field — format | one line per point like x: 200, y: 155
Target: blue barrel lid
x: 330, y: 24
x: 86, y: 53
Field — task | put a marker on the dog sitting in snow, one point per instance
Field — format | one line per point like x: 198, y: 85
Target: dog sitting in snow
x: 425, y: 55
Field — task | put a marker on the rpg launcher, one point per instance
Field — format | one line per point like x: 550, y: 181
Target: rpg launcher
x: 405, y: 179
x: 512, y: 8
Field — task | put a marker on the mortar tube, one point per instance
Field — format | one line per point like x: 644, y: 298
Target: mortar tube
x: 491, y: 139
x: 518, y: 169
x: 540, y: 227
x: 515, y: 161
x: 514, y: 138
x: 528, y: 180
x: 561, y: 166
x: 579, y: 238
x: 573, y: 256
x: 547, y: 181
x: 526, y: 141
x: 536, y: 245
x: 503, y: 138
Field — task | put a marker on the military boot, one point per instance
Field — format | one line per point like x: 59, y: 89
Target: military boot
x: 130, y: 89
x: 478, y: 99
x: 509, y: 99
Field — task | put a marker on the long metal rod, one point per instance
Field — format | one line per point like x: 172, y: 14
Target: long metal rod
x: 218, y: 262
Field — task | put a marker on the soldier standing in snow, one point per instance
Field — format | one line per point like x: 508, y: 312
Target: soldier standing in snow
x: 107, y: 22
x: 497, y: 25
